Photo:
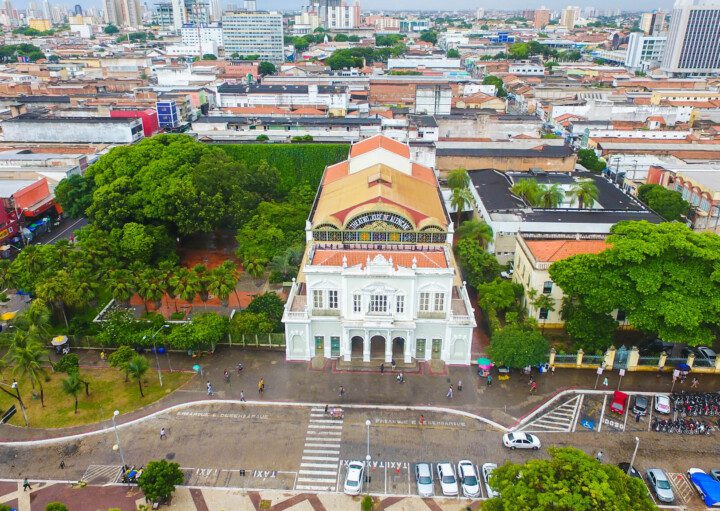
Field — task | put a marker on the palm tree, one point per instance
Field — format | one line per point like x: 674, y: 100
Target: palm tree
x: 550, y: 196
x: 167, y: 270
x: 28, y: 359
x: 526, y: 189
x: 71, y: 386
x: 476, y: 230
x: 256, y: 267
x: 223, y: 281
x: 121, y: 285
x: 458, y: 178
x: 55, y: 290
x: 137, y: 367
x: 35, y: 320
x: 202, y: 274
x: 586, y: 192
x: 461, y: 198
x: 185, y: 285
x: 150, y: 287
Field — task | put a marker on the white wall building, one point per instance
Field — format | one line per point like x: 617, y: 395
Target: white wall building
x: 335, y: 98
x: 433, y: 99
x: 254, y: 33
x: 526, y: 69
x: 692, y: 45
x: 379, y: 280
x: 644, y: 52
x: 197, y: 35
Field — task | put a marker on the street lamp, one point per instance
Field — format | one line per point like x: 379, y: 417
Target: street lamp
x: 367, y: 457
x: 117, y: 439
x: 632, y: 460
x: 157, y: 360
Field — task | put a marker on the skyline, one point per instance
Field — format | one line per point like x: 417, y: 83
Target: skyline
x: 471, y: 5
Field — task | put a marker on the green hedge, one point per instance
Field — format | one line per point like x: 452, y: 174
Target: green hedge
x: 297, y: 163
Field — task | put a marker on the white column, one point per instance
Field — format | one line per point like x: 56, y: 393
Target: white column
x: 366, y: 347
x: 346, y: 345
x: 388, y: 347
x: 407, y: 348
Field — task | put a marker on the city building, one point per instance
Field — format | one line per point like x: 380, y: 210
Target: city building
x: 168, y: 114
x: 653, y: 23
x: 36, y: 128
x: 333, y: 99
x: 126, y: 13
x: 379, y: 281
x: 335, y: 14
x: 202, y: 35
x: 644, y: 52
x: 254, y: 33
x: 408, y: 26
x: 435, y: 99
x: 541, y: 18
x: 570, y: 16
x: 692, y: 48
x: 526, y: 69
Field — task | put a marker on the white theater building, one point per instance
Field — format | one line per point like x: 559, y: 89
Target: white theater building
x: 379, y: 280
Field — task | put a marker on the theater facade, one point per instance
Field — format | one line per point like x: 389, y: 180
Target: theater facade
x: 378, y: 279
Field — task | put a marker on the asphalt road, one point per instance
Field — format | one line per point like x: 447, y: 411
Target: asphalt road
x: 300, y: 448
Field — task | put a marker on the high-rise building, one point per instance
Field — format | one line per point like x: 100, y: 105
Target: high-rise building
x: 541, y: 18
x: 77, y: 10
x: 692, y: 43
x: 644, y: 52
x: 215, y: 13
x: 112, y: 12
x: 569, y: 17
x: 254, y: 33
x: 250, y: 5
x: 653, y: 23
x: 335, y: 13
x: 126, y: 13
x: 46, y: 10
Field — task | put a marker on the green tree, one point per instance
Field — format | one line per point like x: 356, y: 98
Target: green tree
x: 111, y: 29
x: 267, y: 68
x: 120, y: 358
x: 71, y: 386
x: 28, y: 360
x: 551, y: 196
x: 518, y: 345
x: 528, y: 190
x: 586, y: 192
x: 68, y: 363
x: 269, y: 304
x: 519, y: 51
x: 498, y: 295
x: 453, y: 54
x: 590, y: 330
x: 669, y: 204
x: 569, y: 480
x: 159, y: 479
x: 136, y: 368
x: 341, y: 38
x: 74, y: 195
x: 55, y: 290
x: 476, y: 230
x: 429, y: 36
x: 478, y: 265
x: 588, y: 159
x: 250, y: 323
x: 122, y: 285
x: 458, y: 178
x: 544, y: 301
x: 663, y: 276
x: 461, y: 199
x: 209, y: 56
x: 223, y: 280
x: 150, y: 287
x: 498, y: 83
x: 185, y: 285
x: 262, y: 138
x: 56, y: 506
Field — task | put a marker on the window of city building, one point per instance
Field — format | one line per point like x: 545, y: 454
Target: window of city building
x: 547, y: 287
x: 543, y: 314
x: 621, y: 315
x: 318, y: 299
x: 378, y: 303
x: 424, y: 302
x: 332, y: 299
x: 439, y: 302
x: 400, y: 304
x: 357, y: 303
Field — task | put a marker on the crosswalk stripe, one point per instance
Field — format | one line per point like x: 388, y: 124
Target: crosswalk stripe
x: 324, y: 426
x: 321, y: 451
x: 326, y: 438
x: 321, y: 458
x: 319, y: 465
x: 323, y: 421
x: 314, y: 487
x: 311, y: 444
x: 318, y: 472
x: 315, y: 480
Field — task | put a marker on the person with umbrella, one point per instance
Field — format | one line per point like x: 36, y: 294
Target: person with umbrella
x: 484, y: 366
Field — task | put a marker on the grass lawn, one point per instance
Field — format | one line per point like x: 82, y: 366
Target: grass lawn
x: 108, y: 392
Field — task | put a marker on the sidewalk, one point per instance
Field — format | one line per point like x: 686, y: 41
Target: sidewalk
x: 505, y: 402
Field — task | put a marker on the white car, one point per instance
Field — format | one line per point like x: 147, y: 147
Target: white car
x: 468, y: 479
x: 487, y: 470
x: 521, y: 441
x: 354, y: 477
x: 448, y: 481
x: 662, y: 403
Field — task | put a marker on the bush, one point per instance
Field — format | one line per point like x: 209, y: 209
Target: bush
x: 56, y: 506
x: 367, y: 503
x: 177, y: 316
x: 304, y: 138
x: 262, y: 138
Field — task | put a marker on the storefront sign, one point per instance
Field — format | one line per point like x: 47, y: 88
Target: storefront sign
x: 369, y: 218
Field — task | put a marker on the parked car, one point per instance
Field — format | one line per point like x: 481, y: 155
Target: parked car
x: 660, y: 484
x: 640, y: 405
x: 706, y: 486
x: 424, y: 480
x: 487, y: 470
x: 656, y: 346
x: 468, y: 479
x: 662, y: 403
x: 448, y: 482
x: 619, y: 402
x: 354, y: 477
x: 706, y: 353
x: 521, y: 441
x: 632, y: 472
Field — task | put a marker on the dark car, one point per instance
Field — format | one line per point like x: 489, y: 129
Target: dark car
x: 633, y: 471
x: 641, y: 405
x: 656, y: 346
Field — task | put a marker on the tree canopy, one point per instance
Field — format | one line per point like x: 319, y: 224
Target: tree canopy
x: 669, y: 204
x: 518, y: 345
x: 478, y: 265
x: 664, y: 276
x: 498, y: 83
x: 569, y: 481
x: 588, y: 159
x: 159, y: 479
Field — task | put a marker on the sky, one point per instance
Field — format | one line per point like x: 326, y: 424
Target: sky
x: 413, y: 4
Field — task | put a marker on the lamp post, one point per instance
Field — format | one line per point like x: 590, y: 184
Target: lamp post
x: 117, y: 438
x: 14, y: 386
x: 157, y: 360
x: 632, y: 460
x: 367, y: 456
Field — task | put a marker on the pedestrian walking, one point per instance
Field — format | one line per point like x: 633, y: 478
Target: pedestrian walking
x: 533, y: 387
x: 242, y: 395
x: 342, y: 391
x: 102, y: 355
x: 552, y: 369
x: 226, y: 375
x: 422, y: 420
x: 239, y: 368
x: 393, y: 364
x: 637, y: 417
x: 163, y: 435
x: 605, y: 382
x: 459, y: 385
x: 209, y: 388
x: 26, y: 485
x: 382, y: 368
x: 489, y: 380
x: 326, y: 409
x: 400, y: 377
x: 261, y: 386
x: 62, y: 464
x: 695, y: 383
x: 599, y: 456
x: 450, y: 392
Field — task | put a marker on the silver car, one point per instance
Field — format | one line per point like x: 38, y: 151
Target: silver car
x: 659, y: 482
x: 424, y: 480
x: 487, y: 470
x: 468, y: 479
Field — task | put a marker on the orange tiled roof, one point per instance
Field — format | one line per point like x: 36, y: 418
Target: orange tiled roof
x: 401, y: 258
x: 549, y: 251
x: 378, y: 141
x: 424, y: 173
x: 335, y: 172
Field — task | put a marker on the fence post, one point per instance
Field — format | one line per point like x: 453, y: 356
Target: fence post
x: 257, y: 341
x: 717, y: 364
x: 633, y: 359
x: 691, y: 360
x: 551, y: 358
x: 270, y: 340
x: 662, y: 361
x: 579, y: 358
x: 609, y: 359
